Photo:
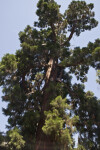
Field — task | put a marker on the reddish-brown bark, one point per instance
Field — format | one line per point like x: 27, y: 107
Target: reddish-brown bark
x: 43, y: 142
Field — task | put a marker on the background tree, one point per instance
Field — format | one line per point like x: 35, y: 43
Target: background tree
x: 1, y: 137
x: 3, y: 141
x: 38, y: 87
x: 16, y: 141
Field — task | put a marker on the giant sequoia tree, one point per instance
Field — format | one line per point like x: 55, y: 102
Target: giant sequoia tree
x: 37, y: 81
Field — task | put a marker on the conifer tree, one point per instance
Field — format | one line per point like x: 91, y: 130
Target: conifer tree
x: 42, y: 101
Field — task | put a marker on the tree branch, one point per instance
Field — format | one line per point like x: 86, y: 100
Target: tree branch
x: 53, y: 30
x: 48, y: 73
x: 70, y: 36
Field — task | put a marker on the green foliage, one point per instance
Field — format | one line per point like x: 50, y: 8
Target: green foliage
x: 58, y: 123
x: 80, y: 16
x: 88, y: 125
x: 80, y: 147
x: 16, y: 141
x: 48, y: 12
x: 7, y: 66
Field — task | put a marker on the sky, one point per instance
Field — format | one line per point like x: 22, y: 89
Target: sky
x: 15, y: 15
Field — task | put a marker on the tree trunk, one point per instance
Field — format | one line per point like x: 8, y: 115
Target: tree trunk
x: 43, y: 142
